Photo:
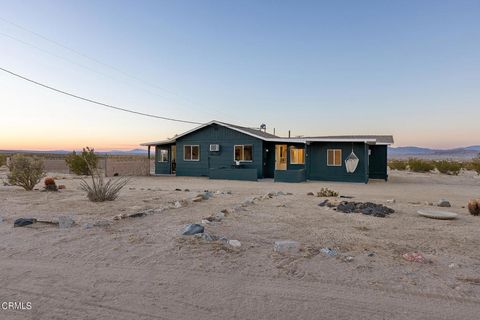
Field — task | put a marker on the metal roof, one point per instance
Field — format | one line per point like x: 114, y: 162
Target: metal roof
x: 372, y: 139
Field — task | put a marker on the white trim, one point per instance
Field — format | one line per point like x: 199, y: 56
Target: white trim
x: 334, y: 158
x: 243, y: 152
x: 191, y: 152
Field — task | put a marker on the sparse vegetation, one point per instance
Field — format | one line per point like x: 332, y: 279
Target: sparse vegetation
x: 419, y: 165
x: 397, y: 165
x: 25, y: 172
x: 325, y: 192
x: 100, y: 190
x: 448, y: 167
x: 3, y: 160
x: 474, y: 165
x: 80, y: 163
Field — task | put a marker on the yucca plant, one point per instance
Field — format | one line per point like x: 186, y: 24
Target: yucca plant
x: 101, y: 190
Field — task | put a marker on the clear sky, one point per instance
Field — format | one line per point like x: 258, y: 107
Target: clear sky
x: 407, y: 68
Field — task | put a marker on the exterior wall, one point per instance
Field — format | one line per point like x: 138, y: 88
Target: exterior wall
x: 223, y: 159
x: 317, y: 162
x: 234, y: 174
x: 125, y: 167
x: 290, y: 175
x: 378, y: 162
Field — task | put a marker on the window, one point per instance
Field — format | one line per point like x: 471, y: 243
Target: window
x: 191, y: 152
x: 163, y: 155
x: 243, y: 153
x: 334, y: 157
x: 297, y: 155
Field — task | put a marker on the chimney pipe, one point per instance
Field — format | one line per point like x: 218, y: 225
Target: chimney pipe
x: 289, y: 133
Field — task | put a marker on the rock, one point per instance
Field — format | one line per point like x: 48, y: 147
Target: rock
x: 289, y: 194
x: 191, y: 229
x: 452, y: 265
x: 206, y: 221
x: 22, y: 222
x: 137, y: 214
x: 370, y: 254
x: 102, y: 223
x: 367, y: 208
x: 87, y: 225
x: 120, y: 216
x: 187, y: 190
x: 391, y: 201
x: 197, y: 199
x: 444, y: 203
x: 65, y: 222
x: 323, y: 203
x: 205, y: 236
x: 1, y: 219
x: 281, y: 193
x: 348, y: 259
x: 310, y: 194
x: 178, y: 189
x: 287, y: 247
x: 414, y: 257
x: 234, y: 243
x: 206, y: 195
x: 328, y: 252
x: 177, y: 204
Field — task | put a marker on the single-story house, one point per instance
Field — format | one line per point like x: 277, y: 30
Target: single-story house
x: 221, y: 150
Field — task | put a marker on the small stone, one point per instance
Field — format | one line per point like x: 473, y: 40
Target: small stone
x: 197, y: 199
x: 205, y: 221
x: 120, y: 216
x: 1, y: 219
x: 191, y: 229
x: 178, y: 189
x: 281, y: 193
x: 234, y: 243
x: 87, y: 225
x: 177, y: 204
x: 286, y: 247
x: 310, y: 194
x: 444, y: 203
x: 65, y: 222
x: 205, y: 236
x: 329, y: 252
x: 349, y: 259
x: 391, y: 201
x: 187, y: 190
x: 452, y: 265
x: 102, y: 223
x: 371, y: 254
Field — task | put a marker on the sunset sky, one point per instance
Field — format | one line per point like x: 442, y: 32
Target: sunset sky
x: 407, y: 68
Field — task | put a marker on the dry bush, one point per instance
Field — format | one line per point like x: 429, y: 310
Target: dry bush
x: 3, y: 160
x: 100, y: 190
x: 25, y: 172
x: 419, y: 165
x: 397, y: 165
x: 448, y: 167
x: 474, y: 165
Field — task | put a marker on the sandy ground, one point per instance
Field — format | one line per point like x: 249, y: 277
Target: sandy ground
x: 140, y: 268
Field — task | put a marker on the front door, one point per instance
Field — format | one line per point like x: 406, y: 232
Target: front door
x: 281, y: 157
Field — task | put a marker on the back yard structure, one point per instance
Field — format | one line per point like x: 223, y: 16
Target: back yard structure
x: 221, y: 150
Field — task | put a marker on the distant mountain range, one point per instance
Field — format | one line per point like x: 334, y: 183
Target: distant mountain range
x: 405, y: 152
x: 112, y: 152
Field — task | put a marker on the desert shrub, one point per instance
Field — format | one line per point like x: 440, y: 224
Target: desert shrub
x: 448, y: 167
x: 474, y: 165
x: 100, y: 190
x: 3, y: 160
x: 25, y: 172
x: 397, y: 164
x: 419, y: 165
x: 80, y: 163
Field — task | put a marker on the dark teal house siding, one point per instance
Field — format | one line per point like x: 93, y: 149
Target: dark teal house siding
x: 317, y: 162
x: 223, y: 159
x: 378, y: 162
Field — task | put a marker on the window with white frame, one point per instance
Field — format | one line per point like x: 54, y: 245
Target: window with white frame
x: 334, y: 157
x: 243, y: 152
x: 297, y: 155
x: 162, y: 155
x: 191, y: 152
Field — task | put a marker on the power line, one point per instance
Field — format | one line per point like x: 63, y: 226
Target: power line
x: 94, y: 101
x: 126, y: 74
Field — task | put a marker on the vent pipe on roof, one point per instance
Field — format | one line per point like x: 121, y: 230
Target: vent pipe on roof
x: 289, y: 133
x: 263, y: 127
x: 273, y: 131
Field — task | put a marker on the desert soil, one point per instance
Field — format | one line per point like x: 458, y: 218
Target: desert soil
x: 141, y: 268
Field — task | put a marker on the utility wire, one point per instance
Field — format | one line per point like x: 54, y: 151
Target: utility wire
x: 94, y: 101
x: 126, y: 74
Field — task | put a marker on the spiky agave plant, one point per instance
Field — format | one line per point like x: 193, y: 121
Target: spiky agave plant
x: 474, y: 207
x: 100, y: 190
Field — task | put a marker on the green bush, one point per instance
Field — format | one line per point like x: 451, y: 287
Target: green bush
x: 25, y: 172
x: 397, y: 164
x: 448, y: 167
x: 80, y: 163
x: 419, y: 165
x: 474, y: 165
